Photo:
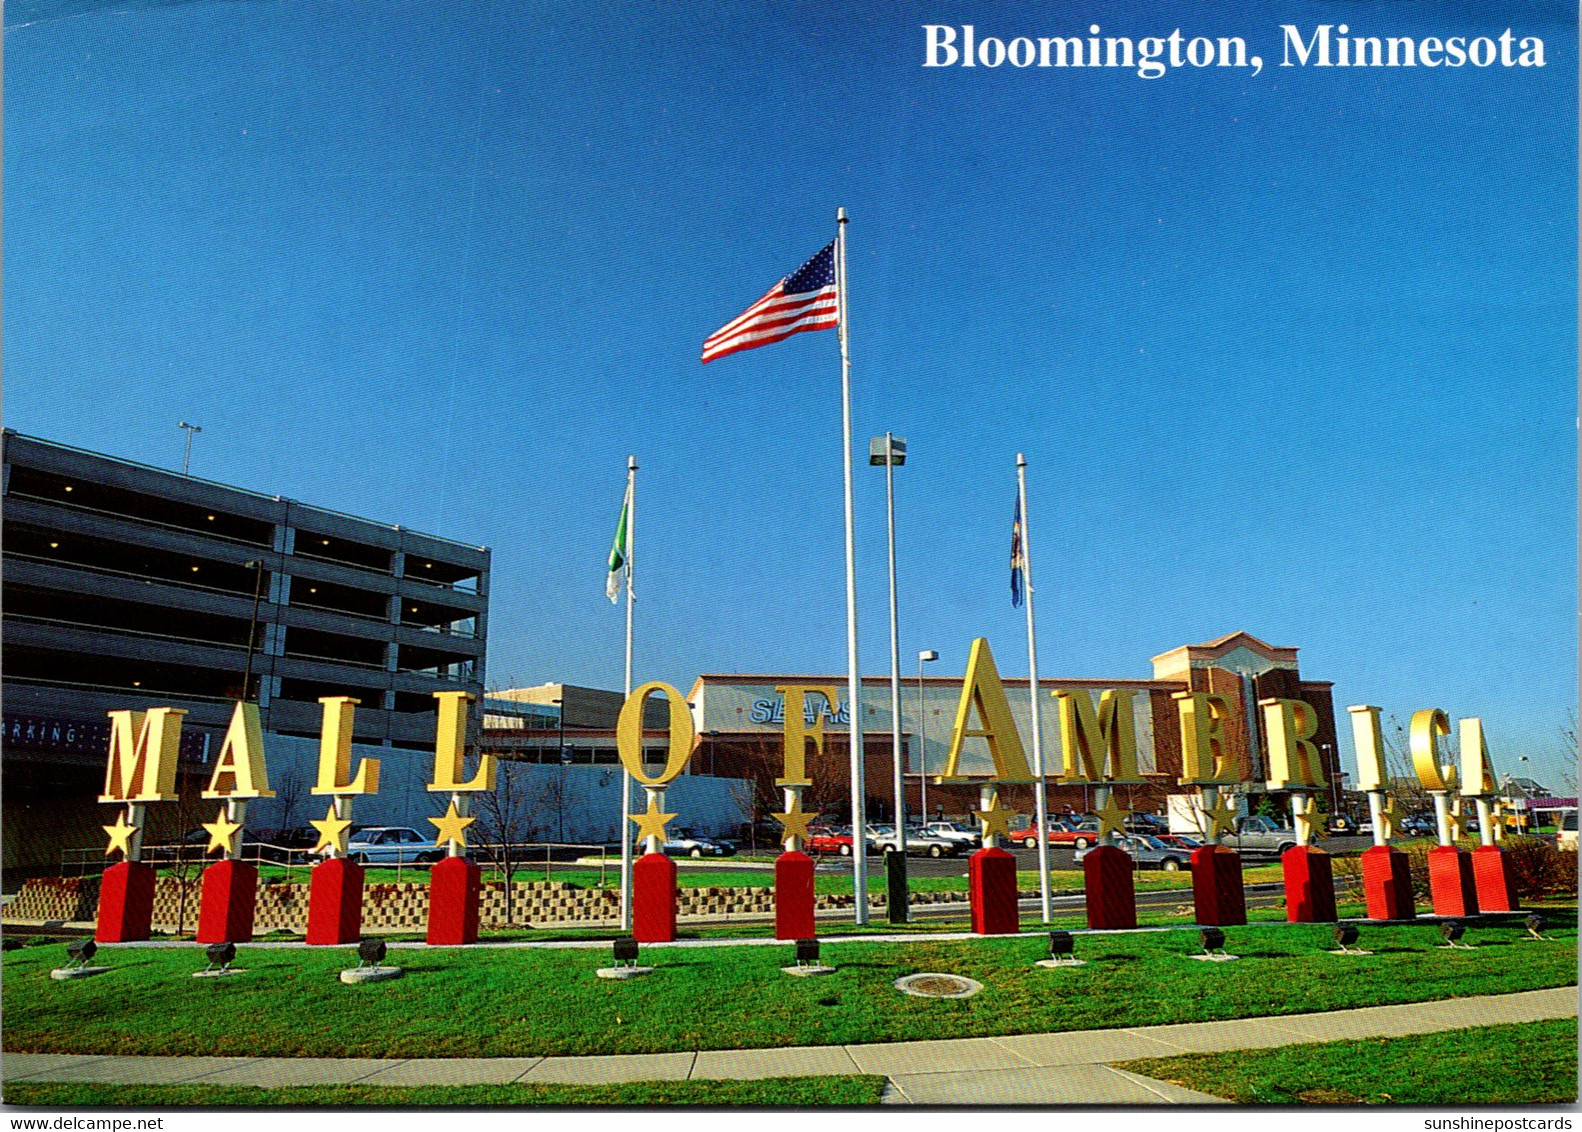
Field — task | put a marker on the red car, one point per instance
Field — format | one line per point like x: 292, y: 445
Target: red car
x: 1027, y: 836
x: 829, y: 841
x: 1081, y: 833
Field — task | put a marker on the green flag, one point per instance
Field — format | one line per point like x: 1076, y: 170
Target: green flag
x: 619, y: 552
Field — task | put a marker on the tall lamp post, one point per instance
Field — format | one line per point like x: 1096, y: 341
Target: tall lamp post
x: 923, y: 657
x: 560, y: 799
x: 890, y: 452
x: 186, y: 456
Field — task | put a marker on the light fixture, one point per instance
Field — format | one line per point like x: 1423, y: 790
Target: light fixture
x: 625, y: 951
x: 1062, y: 945
x: 1535, y: 926
x: 221, y: 954
x: 137, y: 683
x: 211, y: 518
x: 313, y: 589
x: 1213, y: 941
x: 371, y: 952
x: 194, y: 569
x: 325, y: 542
x: 1451, y: 932
x: 68, y: 487
x: 82, y: 950
x: 1346, y: 935
x: 53, y: 545
x: 807, y: 953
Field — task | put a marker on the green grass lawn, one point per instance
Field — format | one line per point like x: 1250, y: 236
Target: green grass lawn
x: 496, y: 1003
x: 1530, y: 1063
x: 771, y: 1092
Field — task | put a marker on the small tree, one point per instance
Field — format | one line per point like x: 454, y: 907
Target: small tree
x: 506, y: 822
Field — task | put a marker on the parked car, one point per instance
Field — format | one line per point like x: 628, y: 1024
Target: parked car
x: 1419, y: 825
x: 391, y: 845
x: 1148, y: 852
x: 950, y: 831
x: 1566, y: 838
x: 688, y: 843
x: 1259, y: 835
x: 1145, y: 824
x: 827, y: 840
x: 1027, y: 836
x: 1079, y: 834
x: 1179, y: 841
x: 919, y: 844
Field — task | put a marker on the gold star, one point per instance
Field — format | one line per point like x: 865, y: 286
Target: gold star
x: 332, y: 832
x: 1221, y: 818
x: 1112, y: 819
x: 996, y: 822
x: 452, y: 827
x: 795, y: 821
x: 120, y: 836
x: 1304, y: 827
x: 1453, y: 824
x: 222, y: 833
x: 652, y: 822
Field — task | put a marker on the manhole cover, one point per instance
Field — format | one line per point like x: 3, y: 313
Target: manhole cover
x: 929, y: 985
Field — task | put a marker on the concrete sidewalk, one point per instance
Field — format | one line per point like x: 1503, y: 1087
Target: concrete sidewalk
x: 1074, y: 1068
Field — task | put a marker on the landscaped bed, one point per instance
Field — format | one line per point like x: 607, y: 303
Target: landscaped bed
x: 543, y: 1001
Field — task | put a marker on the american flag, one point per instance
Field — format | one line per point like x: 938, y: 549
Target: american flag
x: 807, y: 299
x: 1018, y: 557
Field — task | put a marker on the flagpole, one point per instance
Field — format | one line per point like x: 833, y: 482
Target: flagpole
x: 1041, y: 802
x: 626, y: 778
x: 859, y: 786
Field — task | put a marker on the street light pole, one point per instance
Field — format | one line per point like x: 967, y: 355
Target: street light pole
x: 922, y: 735
x: 186, y: 458
x: 890, y: 451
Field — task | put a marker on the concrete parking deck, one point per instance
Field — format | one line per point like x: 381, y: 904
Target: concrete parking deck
x: 1073, y: 1068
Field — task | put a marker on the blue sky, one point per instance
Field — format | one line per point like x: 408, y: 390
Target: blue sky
x: 1293, y: 353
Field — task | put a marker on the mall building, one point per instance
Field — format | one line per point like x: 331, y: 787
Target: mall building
x: 740, y: 718
x: 128, y: 586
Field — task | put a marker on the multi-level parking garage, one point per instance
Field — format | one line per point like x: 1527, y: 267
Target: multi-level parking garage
x: 128, y: 586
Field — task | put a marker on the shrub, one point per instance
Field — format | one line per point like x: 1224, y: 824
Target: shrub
x: 1541, y: 868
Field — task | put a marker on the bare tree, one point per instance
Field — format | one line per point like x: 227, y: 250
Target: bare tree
x: 291, y: 790
x: 506, y: 823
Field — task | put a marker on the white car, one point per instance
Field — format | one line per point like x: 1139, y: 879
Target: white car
x: 950, y: 831
x: 1566, y: 836
x: 391, y: 845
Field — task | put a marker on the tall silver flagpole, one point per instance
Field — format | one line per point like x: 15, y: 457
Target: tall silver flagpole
x: 1040, y: 803
x: 859, y: 786
x: 626, y: 778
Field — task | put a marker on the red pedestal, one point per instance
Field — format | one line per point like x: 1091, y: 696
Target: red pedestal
x: 991, y: 886
x: 1218, y: 898
x: 230, y: 893
x: 1387, y: 883
x: 126, y: 903
x: 1111, y: 895
x: 335, y: 902
x: 654, y: 899
x: 794, y: 896
x: 1491, y: 873
x: 1450, y: 881
x: 454, y: 887
x: 1309, y: 886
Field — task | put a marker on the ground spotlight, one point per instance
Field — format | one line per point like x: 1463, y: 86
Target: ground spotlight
x: 1062, y: 951
x: 220, y: 954
x: 806, y: 952
x: 1346, y: 936
x: 1451, y: 932
x: 1213, y: 941
x: 1535, y: 926
x: 370, y: 951
x: 626, y: 967
x: 82, y: 951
